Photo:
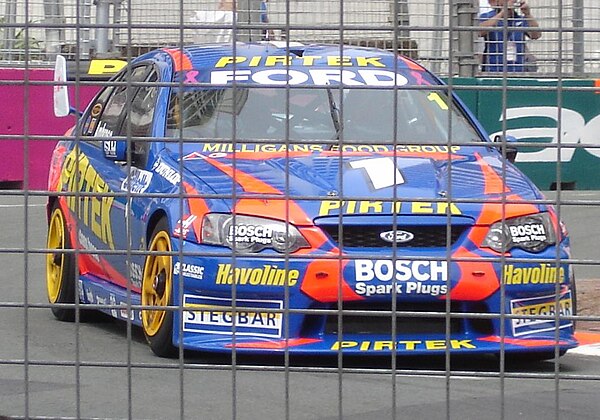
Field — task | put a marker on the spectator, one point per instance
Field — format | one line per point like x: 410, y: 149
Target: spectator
x: 505, y: 48
x: 264, y: 18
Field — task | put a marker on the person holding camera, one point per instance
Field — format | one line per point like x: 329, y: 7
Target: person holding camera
x: 505, y: 29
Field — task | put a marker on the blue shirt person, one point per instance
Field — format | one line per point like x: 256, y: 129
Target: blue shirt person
x: 505, y: 48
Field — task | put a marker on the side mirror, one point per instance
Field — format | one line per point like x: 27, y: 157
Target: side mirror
x: 61, y: 93
x: 115, y: 150
x: 510, y: 142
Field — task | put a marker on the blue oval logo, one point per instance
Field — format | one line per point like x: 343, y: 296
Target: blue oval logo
x: 397, y: 236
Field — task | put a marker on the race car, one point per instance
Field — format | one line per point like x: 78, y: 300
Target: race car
x: 310, y: 199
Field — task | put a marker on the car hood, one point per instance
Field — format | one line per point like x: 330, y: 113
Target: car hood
x: 330, y: 183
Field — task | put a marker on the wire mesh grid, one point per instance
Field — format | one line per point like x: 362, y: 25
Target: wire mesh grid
x: 569, y: 28
x: 98, y: 367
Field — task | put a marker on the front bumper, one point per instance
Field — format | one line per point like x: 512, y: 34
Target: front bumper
x: 307, y: 305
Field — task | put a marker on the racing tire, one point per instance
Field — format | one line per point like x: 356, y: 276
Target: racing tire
x: 527, y: 358
x: 60, y: 266
x: 157, y: 292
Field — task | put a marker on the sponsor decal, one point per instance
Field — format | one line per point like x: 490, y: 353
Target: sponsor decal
x: 91, y: 126
x: 99, y: 66
x: 135, y: 273
x: 126, y: 312
x: 318, y: 77
x: 203, y: 314
x: 182, y: 228
x: 397, y: 236
x: 81, y: 291
x: 540, y: 306
x: 538, y: 274
x: 86, y: 243
x: 410, y: 274
x: 527, y: 233
x: 189, y: 270
x: 89, y: 295
x: 375, y: 207
x: 403, y: 345
x: 113, y: 302
x: 96, y: 110
x: 267, y: 275
x: 103, y: 131
x: 253, y: 234
x: 93, y: 210
x: 308, y: 148
x: 306, y: 60
x: 110, y: 148
x: 574, y: 133
x: 137, y: 181
x: 167, y: 172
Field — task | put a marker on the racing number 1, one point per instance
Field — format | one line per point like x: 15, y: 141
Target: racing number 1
x: 382, y: 172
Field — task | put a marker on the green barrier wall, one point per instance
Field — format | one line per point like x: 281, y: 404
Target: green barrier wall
x: 532, y: 116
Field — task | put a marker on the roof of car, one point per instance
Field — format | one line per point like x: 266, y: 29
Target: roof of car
x: 242, y: 56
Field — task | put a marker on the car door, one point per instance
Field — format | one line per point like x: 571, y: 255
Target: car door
x: 110, y: 211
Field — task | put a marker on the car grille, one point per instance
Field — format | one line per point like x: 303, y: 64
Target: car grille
x: 420, y: 318
x: 368, y: 236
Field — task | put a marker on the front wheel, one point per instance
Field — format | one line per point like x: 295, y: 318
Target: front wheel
x: 60, y: 266
x: 157, y: 292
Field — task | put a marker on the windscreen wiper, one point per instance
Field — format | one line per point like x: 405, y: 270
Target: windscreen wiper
x: 335, y: 114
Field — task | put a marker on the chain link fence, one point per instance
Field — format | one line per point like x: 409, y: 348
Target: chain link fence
x: 104, y: 370
x: 442, y: 34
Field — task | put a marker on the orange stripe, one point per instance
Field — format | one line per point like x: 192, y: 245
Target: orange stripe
x: 281, y: 208
x: 411, y: 64
x: 493, y: 184
x: 522, y: 341
x: 323, y: 279
x: 597, y: 84
x: 181, y: 60
x: 198, y: 207
x: 478, y: 279
x: 493, y: 212
x: 275, y: 344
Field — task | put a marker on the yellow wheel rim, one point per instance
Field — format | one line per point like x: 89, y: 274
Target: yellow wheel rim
x: 55, y: 258
x: 157, y: 283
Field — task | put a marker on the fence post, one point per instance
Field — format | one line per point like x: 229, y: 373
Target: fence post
x: 465, y: 16
x: 578, y: 38
x: 248, y: 13
x: 83, y: 35
x: 54, y: 15
x: 102, y: 18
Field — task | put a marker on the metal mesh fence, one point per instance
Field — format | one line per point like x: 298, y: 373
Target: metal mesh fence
x: 99, y: 367
x: 569, y: 44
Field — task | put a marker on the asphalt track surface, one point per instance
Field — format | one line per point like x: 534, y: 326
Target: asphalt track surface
x: 104, y: 369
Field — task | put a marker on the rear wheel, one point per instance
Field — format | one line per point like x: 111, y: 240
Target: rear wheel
x: 157, y: 292
x: 60, y: 266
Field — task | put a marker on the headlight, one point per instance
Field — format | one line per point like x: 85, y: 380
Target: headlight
x: 251, y: 234
x: 532, y: 233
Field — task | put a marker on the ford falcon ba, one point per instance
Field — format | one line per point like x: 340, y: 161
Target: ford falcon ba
x: 304, y: 198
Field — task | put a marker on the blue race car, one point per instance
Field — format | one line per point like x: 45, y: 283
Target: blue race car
x: 310, y: 199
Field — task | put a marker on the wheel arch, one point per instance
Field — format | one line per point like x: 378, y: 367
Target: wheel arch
x: 52, y: 200
x: 153, y: 221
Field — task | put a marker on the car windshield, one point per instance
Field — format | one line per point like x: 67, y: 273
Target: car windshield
x: 313, y: 115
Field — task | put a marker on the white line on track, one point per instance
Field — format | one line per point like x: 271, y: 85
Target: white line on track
x: 20, y: 205
x: 587, y: 350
